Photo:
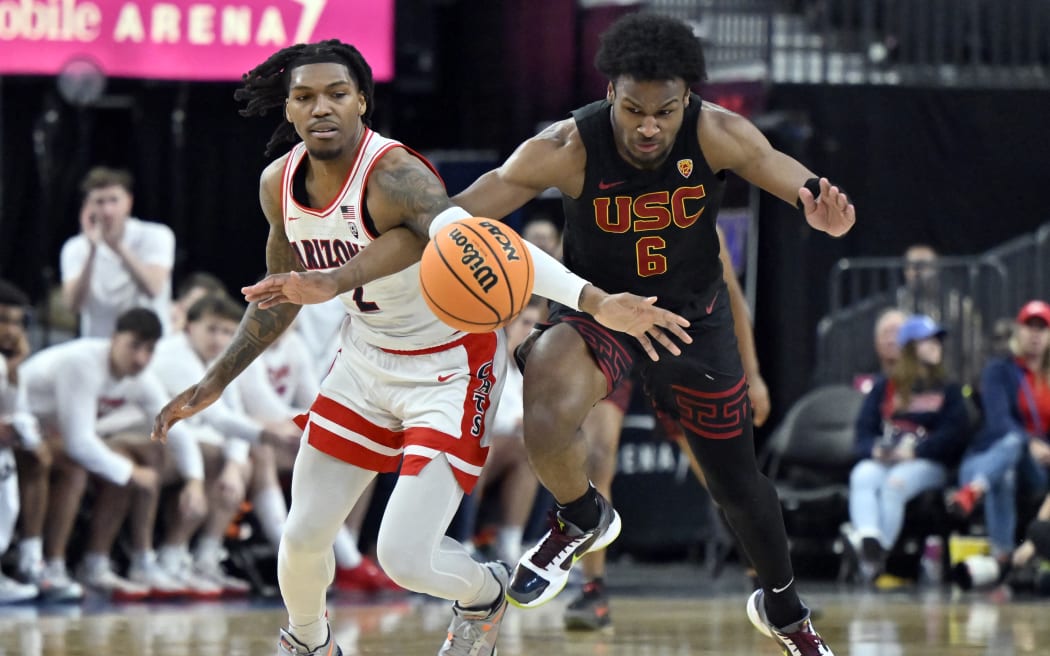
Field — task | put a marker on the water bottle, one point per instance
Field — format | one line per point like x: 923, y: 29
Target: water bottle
x: 932, y: 564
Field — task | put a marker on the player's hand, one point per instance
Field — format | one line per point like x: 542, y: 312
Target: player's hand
x: 1023, y: 553
x: 830, y: 212
x: 188, y: 403
x: 759, y: 395
x: 280, y: 433
x: 294, y: 287
x: 639, y: 317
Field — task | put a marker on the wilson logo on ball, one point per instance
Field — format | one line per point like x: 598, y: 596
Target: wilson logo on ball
x: 475, y: 261
x: 476, y: 274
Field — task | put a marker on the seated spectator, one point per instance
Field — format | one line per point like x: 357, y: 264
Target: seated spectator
x: 543, y: 232
x: 69, y: 387
x: 910, y: 431
x: 1011, y: 449
x: 237, y: 446
x: 887, y: 350
x: 194, y: 287
x: 117, y: 262
x: 18, y: 428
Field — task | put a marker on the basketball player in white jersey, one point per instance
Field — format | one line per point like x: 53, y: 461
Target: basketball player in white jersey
x: 406, y: 390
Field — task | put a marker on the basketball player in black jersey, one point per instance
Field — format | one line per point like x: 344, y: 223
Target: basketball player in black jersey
x: 641, y: 173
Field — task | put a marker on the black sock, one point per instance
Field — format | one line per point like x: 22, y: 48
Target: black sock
x: 783, y: 608
x: 583, y: 512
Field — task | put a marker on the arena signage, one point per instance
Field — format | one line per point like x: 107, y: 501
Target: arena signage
x: 184, y: 39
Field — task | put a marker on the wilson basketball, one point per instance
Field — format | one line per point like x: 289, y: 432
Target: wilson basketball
x: 476, y: 274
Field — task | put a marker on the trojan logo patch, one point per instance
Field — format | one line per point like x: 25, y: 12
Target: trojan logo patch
x: 685, y: 167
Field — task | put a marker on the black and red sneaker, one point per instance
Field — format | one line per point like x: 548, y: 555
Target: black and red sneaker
x: 797, y: 639
x: 590, y: 611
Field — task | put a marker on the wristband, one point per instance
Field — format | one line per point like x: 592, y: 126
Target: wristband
x: 813, y: 184
x: 446, y: 217
x: 553, y: 280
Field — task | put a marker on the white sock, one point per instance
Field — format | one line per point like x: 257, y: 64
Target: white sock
x: 209, y: 550
x: 30, y: 552
x: 313, y: 635
x: 509, y: 543
x: 347, y: 555
x: 96, y: 562
x: 272, y: 511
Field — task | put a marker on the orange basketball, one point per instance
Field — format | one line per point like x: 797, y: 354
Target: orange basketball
x: 476, y: 274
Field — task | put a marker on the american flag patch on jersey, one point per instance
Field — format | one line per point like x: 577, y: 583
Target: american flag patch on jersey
x: 350, y: 216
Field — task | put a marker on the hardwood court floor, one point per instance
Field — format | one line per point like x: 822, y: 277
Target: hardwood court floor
x: 854, y: 623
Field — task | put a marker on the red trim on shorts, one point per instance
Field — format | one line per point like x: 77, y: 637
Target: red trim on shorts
x: 353, y: 453
x: 346, y: 450
x: 466, y: 449
x: 436, y: 349
x: 714, y: 415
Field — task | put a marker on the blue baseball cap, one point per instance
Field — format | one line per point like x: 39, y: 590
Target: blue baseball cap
x: 919, y: 326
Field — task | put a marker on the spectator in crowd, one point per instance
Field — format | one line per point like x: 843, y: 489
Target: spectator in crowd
x: 1011, y: 450
x: 239, y: 447
x: 543, y: 232
x: 18, y: 427
x: 508, y: 465
x: 194, y: 287
x: 911, y: 429
x: 70, y: 387
x: 887, y: 350
x: 117, y: 262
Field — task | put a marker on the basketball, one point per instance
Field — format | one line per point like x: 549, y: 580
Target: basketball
x: 476, y: 274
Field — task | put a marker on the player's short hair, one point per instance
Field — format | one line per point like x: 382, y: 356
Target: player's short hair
x: 648, y: 46
x: 215, y: 305
x: 265, y: 87
x: 12, y: 296
x: 101, y: 177
x: 140, y: 322
x: 200, y: 280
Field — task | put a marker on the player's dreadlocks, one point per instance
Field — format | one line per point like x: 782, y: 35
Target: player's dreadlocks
x: 266, y: 85
x: 651, y: 47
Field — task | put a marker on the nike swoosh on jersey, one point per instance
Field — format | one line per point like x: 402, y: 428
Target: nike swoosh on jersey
x: 442, y: 379
x: 603, y: 185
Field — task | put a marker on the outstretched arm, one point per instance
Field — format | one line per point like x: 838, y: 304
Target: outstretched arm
x: 259, y: 328
x: 732, y: 142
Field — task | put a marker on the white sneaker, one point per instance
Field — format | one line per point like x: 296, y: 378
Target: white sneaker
x: 159, y: 582
x: 13, y: 592
x: 53, y: 582
x: 101, y: 578
x: 212, y: 572
x: 179, y: 566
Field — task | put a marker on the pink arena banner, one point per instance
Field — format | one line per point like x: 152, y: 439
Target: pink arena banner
x: 185, y: 39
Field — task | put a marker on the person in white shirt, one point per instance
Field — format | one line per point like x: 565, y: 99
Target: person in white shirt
x: 237, y: 446
x: 18, y: 428
x: 69, y: 387
x: 193, y: 287
x: 117, y: 262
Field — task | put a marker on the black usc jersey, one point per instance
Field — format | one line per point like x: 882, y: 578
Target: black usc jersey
x: 650, y: 232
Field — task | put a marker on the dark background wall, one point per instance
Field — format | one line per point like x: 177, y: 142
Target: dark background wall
x: 960, y: 169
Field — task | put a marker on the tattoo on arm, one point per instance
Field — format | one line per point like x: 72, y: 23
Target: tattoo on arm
x: 415, y: 192
x: 259, y: 328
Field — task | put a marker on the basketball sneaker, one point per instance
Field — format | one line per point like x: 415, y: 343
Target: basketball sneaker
x: 366, y: 577
x: 590, y: 611
x: 53, y: 581
x: 798, y: 639
x: 544, y: 569
x: 474, y: 632
x: 13, y: 592
x: 99, y: 577
x: 289, y: 645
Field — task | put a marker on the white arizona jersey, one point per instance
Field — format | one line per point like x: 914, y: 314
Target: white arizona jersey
x: 389, y: 312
